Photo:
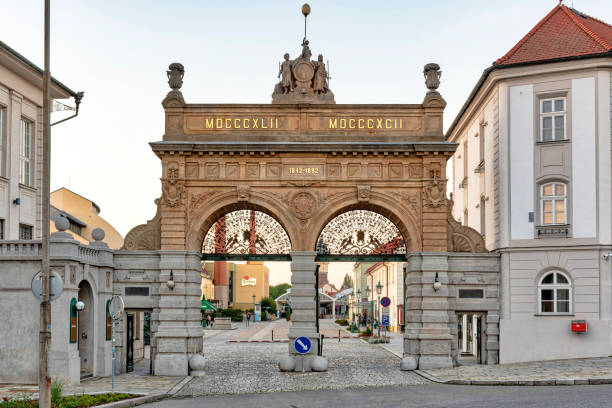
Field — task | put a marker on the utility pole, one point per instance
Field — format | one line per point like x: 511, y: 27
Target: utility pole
x: 44, y: 380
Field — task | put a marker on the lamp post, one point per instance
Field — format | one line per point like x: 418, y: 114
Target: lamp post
x: 379, y: 289
x: 368, y: 291
x: 357, y: 308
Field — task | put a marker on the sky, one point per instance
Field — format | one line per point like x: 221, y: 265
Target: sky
x: 118, y: 51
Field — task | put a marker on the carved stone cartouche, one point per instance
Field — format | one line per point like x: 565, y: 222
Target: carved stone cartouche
x: 432, y: 75
x: 175, y: 73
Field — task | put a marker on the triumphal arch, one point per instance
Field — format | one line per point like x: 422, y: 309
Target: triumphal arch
x: 306, y: 179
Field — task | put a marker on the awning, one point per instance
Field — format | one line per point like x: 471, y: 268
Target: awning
x: 207, y: 306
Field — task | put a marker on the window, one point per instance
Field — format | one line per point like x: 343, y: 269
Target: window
x: 2, y: 141
x: 25, y: 232
x: 1, y: 228
x: 554, y: 292
x: 553, y: 203
x: 25, y: 153
x: 483, y: 215
x: 481, y: 135
x: 552, y: 119
x: 465, y: 159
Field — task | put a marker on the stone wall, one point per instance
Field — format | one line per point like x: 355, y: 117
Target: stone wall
x: 430, y: 340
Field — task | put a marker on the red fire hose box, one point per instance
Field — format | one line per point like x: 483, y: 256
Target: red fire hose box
x: 579, y: 326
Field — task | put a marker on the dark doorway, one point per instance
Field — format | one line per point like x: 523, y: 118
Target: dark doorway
x: 130, y: 344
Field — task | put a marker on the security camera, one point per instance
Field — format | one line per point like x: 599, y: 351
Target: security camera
x: 607, y: 256
x: 79, y: 306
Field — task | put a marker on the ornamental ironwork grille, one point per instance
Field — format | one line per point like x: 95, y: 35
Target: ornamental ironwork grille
x: 246, y: 232
x: 360, y: 232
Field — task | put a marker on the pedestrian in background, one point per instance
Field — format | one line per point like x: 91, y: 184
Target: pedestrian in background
x: 248, y: 318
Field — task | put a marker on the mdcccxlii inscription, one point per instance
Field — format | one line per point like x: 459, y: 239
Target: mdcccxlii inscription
x: 275, y: 123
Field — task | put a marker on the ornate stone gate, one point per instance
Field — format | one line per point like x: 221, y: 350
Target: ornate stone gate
x: 303, y: 160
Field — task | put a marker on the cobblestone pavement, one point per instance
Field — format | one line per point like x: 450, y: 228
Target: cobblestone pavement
x: 262, y: 331
x: 574, y: 371
x: 236, y: 368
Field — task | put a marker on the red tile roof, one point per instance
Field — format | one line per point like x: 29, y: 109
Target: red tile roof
x: 564, y: 32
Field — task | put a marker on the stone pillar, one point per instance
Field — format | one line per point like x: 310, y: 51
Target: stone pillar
x: 179, y: 330
x: 427, y: 339
x: 303, y: 313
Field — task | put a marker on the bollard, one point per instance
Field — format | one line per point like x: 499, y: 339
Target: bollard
x: 272, y: 335
x: 339, y: 336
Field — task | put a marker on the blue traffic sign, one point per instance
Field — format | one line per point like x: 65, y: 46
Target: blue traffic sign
x: 302, y: 345
x: 385, y: 320
x: 385, y: 301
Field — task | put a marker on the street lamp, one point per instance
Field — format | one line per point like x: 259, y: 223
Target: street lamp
x: 379, y: 289
x: 357, y: 308
x: 367, y: 293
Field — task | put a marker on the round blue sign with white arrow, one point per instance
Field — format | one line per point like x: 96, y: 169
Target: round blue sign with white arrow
x: 302, y: 345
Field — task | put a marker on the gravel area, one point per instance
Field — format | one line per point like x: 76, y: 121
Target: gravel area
x: 237, y: 368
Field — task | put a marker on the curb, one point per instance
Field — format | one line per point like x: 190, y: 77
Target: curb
x: 551, y: 382
x: 180, y: 385
x: 258, y: 341
x: 134, y: 401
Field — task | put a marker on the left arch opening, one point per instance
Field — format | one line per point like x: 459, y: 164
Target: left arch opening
x: 246, y: 232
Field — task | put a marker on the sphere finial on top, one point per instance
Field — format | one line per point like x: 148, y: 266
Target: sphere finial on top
x: 305, y: 9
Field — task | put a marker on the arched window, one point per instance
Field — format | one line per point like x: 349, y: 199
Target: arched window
x: 555, y: 293
x: 553, y: 203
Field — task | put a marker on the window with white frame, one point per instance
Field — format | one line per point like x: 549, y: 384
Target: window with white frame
x: 2, y: 141
x: 553, y: 203
x: 25, y: 153
x: 554, y: 293
x: 552, y: 119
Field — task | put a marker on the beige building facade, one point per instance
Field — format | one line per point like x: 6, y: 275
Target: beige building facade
x: 84, y: 217
x: 532, y: 173
x: 21, y: 101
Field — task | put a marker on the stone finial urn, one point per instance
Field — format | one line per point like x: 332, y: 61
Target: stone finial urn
x: 432, y: 75
x: 175, y: 73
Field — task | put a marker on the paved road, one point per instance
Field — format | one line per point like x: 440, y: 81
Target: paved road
x: 233, y: 368
x: 422, y: 396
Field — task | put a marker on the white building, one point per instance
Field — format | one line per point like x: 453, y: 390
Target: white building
x: 21, y: 101
x: 533, y: 174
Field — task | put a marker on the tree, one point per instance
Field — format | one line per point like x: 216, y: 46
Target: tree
x: 276, y: 291
x: 347, y: 282
x: 268, y: 304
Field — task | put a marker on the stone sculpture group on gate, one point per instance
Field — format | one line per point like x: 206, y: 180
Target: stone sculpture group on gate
x: 303, y: 80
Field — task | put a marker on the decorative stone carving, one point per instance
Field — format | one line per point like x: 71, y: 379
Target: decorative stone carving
x: 303, y: 80
x: 363, y: 193
x: 243, y: 193
x: 460, y: 237
x: 303, y: 205
x: 145, y: 236
x: 172, y: 187
x: 413, y: 200
x: 432, y: 75
x: 196, y: 200
x: 72, y: 274
x: 175, y: 73
x: 433, y: 194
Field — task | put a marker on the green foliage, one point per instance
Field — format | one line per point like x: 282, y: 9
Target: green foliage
x: 366, y: 332
x: 57, y: 389
x: 235, y: 314
x: 72, y: 401
x: 266, y: 303
x: 348, y: 281
x: 342, y: 322
x: 276, y: 291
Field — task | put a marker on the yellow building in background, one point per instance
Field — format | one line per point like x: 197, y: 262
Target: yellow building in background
x: 245, y: 280
x: 84, y: 217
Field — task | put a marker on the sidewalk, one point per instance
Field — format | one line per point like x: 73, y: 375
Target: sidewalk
x: 555, y: 372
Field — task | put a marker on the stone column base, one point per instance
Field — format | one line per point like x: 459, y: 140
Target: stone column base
x: 171, y: 364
